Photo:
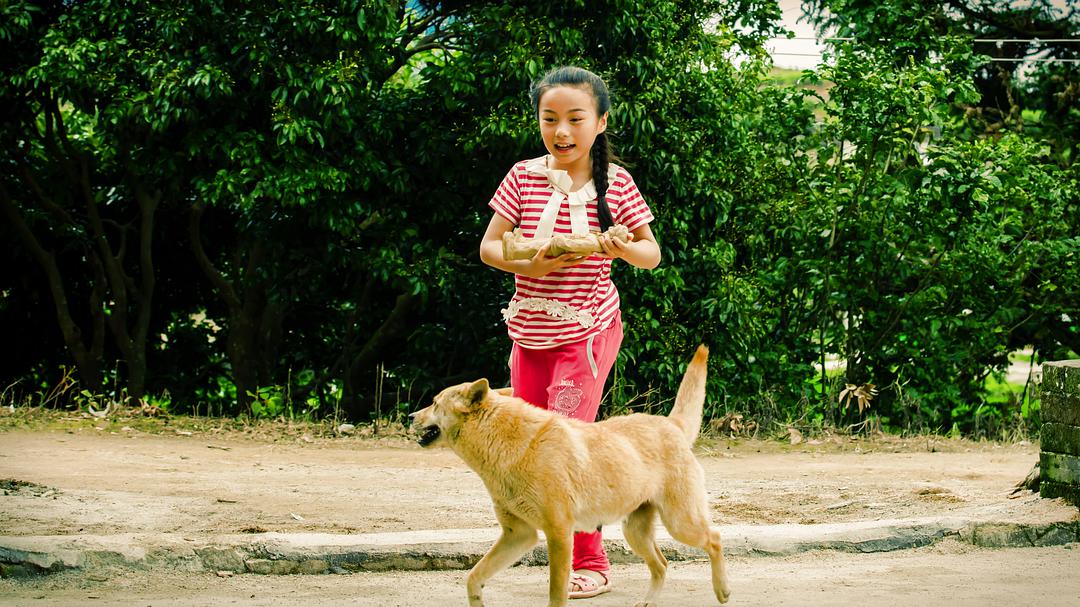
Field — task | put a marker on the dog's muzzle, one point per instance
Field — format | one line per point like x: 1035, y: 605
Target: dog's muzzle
x: 428, y: 435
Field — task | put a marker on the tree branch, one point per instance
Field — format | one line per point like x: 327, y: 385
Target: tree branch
x: 382, y: 336
x: 217, y: 279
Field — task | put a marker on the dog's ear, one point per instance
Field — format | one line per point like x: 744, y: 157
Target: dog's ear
x: 477, y: 392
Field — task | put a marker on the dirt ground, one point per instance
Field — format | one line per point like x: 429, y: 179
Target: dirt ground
x: 948, y: 574
x: 74, y: 475
x: 101, y: 478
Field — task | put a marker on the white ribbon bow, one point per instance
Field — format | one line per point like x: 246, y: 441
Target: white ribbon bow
x: 577, y: 201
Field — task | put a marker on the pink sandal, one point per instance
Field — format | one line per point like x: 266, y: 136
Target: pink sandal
x: 583, y: 586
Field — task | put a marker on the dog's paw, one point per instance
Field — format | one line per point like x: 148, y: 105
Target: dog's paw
x: 647, y: 604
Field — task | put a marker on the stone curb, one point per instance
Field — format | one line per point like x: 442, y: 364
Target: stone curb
x: 274, y: 553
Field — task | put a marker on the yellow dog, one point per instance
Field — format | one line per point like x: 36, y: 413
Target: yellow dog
x: 559, y: 475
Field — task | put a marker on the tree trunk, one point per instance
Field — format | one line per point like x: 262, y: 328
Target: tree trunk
x: 363, y: 363
x: 245, y: 298
x: 130, y: 336
x: 88, y: 360
x: 241, y: 346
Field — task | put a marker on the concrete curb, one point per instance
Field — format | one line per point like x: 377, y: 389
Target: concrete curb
x: 274, y: 553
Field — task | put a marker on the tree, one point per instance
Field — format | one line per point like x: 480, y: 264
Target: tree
x: 273, y: 116
x: 81, y: 194
x: 278, y: 210
x: 1032, y: 80
x: 996, y: 184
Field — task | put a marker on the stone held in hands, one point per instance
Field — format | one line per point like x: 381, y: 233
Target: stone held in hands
x: 516, y: 246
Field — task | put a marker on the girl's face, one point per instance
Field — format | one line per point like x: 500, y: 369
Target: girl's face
x: 569, y: 126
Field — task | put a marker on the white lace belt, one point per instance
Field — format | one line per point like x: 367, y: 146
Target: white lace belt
x: 551, y: 307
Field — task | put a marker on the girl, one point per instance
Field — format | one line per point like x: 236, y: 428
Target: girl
x: 564, y: 316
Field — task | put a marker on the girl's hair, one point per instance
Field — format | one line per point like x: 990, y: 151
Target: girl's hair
x: 601, y: 152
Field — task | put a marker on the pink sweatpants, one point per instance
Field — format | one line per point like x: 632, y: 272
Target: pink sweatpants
x: 569, y: 380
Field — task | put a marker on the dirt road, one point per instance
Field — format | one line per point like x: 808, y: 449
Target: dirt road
x: 98, y: 478
x: 94, y: 482
x: 946, y: 575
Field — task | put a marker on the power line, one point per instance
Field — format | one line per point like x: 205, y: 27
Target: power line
x: 1013, y: 40
x: 1035, y: 40
x: 993, y: 59
x: 978, y: 40
x: 1035, y: 60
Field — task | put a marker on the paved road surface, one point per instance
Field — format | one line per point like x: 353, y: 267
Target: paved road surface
x: 949, y: 574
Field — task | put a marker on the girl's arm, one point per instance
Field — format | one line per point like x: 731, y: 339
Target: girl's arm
x: 540, y: 265
x: 640, y: 250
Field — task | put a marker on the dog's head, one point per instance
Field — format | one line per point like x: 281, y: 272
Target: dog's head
x: 439, y: 422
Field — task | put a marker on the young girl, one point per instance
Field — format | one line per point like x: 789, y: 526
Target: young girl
x: 564, y: 316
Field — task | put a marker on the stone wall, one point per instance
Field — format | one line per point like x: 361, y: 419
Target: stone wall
x: 1060, y: 457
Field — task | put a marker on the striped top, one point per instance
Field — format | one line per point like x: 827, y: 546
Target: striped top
x: 571, y: 304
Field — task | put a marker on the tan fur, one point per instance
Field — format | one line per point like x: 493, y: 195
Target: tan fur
x: 559, y: 475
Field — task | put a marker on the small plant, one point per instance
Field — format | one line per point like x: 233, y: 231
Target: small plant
x: 60, y: 390
x: 267, y: 402
x: 861, y: 394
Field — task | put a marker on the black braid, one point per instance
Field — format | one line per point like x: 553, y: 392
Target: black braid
x: 601, y: 156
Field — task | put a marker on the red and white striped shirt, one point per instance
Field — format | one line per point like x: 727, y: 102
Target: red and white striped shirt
x: 575, y: 303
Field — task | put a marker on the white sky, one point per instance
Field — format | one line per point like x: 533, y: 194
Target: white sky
x: 792, y: 13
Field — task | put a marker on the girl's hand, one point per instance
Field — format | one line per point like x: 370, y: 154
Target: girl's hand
x: 613, y: 248
x: 542, y: 265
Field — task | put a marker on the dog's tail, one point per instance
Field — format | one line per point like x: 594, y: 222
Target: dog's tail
x: 690, y: 400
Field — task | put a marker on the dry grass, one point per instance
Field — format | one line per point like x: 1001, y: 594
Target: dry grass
x: 127, y: 419
x: 715, y: 438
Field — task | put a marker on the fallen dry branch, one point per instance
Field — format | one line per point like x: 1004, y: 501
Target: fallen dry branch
x: 516, y: 246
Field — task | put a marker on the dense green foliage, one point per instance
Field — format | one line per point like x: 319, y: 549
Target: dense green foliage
x: 277, y: 209
x: 1040, y: 98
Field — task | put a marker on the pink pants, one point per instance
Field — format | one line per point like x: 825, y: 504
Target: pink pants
x: 569, y: 380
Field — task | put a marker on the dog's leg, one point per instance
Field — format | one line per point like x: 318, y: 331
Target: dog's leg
x: 639, y: 533
x: 686, y: 517
x: 560, y: 544
x: 516, y: 538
